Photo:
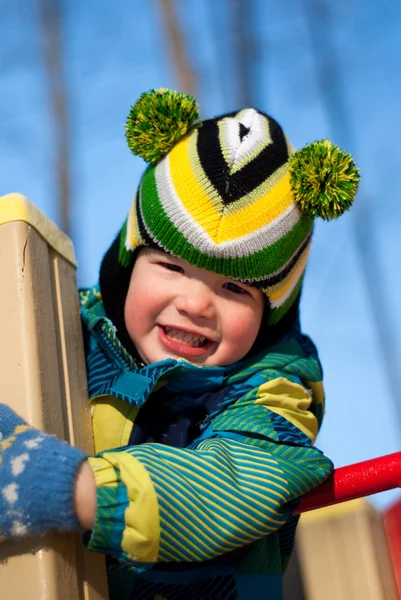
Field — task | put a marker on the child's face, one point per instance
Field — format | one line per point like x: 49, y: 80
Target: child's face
x: 176, y: 310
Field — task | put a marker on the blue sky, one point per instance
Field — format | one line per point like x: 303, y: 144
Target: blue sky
x: 115, y: 51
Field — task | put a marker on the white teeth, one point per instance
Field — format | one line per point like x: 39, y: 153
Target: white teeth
x: 188, y: 338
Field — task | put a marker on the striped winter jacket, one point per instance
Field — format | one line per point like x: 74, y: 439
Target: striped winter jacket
x: 198, y: 468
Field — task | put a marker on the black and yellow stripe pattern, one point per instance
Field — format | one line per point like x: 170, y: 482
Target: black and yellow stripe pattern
x: 221, y: 199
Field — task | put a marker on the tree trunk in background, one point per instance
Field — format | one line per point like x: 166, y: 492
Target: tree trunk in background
x: 244, y: 46
x: 184, y: 71
x: 50, y: 21
x: 328, y: 76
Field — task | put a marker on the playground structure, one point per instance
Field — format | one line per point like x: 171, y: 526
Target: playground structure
x: 355, y: 481
x: 44, y: 380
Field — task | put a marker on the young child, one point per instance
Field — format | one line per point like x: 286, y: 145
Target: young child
x: 206, y: 396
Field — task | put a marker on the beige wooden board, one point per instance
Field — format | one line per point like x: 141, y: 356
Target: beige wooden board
x: 343, y: 554
x: 293, y: 586
x: 43, y: 378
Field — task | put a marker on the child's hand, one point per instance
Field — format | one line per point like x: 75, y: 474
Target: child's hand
x: 37, y: 474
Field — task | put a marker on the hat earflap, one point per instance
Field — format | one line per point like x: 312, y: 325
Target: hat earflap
x: 157, y: 121
x: 125, y: 256
x: 324, y: 179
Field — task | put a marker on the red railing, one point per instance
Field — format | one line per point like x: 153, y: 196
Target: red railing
x: 354, y: 481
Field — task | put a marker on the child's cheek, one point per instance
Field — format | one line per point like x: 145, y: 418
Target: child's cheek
x: 241, y: 332
x: 132, y: 315
x: 140, y: 308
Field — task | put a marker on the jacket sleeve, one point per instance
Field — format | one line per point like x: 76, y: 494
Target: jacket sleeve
x: 231, y: 487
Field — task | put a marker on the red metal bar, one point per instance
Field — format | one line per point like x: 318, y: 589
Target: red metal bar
x: 354, y: 481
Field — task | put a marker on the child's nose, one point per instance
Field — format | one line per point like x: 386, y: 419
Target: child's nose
x: 196, y: 300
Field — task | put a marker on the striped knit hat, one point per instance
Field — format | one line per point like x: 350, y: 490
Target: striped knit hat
x: 230, y: 194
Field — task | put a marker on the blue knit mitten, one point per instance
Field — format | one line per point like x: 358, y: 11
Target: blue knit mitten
x: 37, y: 473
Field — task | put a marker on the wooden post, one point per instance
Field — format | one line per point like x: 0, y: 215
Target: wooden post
x: 43, y: 379
x: 343, y: 554
x: 392, y: 522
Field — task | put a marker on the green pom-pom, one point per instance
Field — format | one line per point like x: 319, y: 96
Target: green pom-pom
x: 157, y: 121
x: 324, y: 179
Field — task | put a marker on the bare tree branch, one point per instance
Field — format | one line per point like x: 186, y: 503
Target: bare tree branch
x: 50, y: 17
x: 184, y: 71
x: 329, y: 82
x: 243, y: 49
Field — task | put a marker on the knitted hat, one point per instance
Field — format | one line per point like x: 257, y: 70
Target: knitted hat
x: 230, y: 195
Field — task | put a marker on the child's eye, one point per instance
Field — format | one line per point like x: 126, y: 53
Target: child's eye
x: 233, y: 287
x: 172, y: 267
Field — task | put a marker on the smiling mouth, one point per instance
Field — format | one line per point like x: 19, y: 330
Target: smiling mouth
x: 184, y: 337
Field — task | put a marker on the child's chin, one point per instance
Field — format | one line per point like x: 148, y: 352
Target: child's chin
x: 199, y: 361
